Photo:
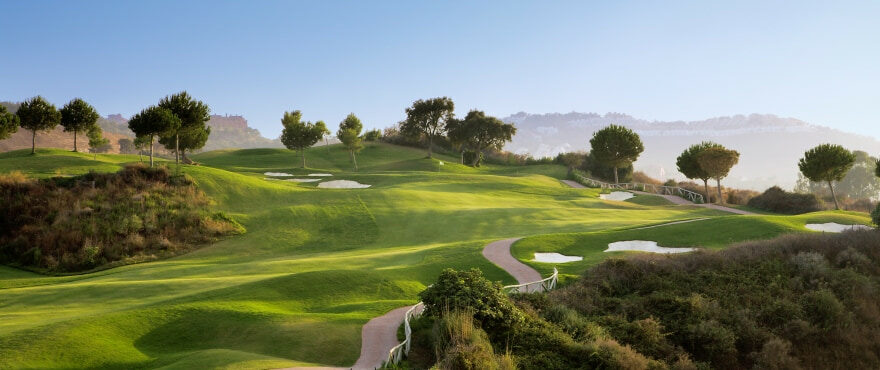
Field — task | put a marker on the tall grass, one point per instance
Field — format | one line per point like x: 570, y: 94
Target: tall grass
x: 67, y: 224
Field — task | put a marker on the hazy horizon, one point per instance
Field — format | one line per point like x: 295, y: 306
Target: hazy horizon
x: 655, y: 61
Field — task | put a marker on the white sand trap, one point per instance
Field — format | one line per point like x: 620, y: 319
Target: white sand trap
x: 342, y: 184
x: 276, y: 174
x: 555, y: 258
x: 644, y: 246
x: 833, y: 227
x: 616, y: 195
x: 303, y: 180
x: 321, y: 174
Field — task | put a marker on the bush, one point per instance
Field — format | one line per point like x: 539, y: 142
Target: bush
x: 769, y: 304
x: 780, y: 201
x: 470, y: 291
x: 373, y: 135
x: 875, y: 216
x: 83, y: 222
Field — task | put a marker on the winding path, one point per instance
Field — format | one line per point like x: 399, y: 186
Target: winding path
x: 379, y: 335
x: 498, y: 252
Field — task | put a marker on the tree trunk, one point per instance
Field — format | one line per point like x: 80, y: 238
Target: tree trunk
x: 476, y: 162
x: 836, y: 205
x: 302, y: 153
x: 151, y: 151
x: 462, y: 156
x: 616, y: 180
x: 74, y: 140
x: 706, y: 185
x: 177, y: 149
x: 430, y: 145
x: 720, y: 200
x: 33, y: 141
x: 353, y: 159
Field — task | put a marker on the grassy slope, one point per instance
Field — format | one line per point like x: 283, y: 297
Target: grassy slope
x: 315, y: 265
x: 712, y: 234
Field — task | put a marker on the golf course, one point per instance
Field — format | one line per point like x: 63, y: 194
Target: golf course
x: 316, y: 264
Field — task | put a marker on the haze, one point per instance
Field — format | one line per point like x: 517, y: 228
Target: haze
x: 813, y: 61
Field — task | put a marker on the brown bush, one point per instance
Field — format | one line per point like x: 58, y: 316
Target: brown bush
x: 82, y: 222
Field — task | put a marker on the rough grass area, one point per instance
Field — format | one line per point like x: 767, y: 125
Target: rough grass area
x: 70, y: 224
x: 799, y: 301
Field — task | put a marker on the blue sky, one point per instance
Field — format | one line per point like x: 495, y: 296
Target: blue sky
x: 664, y: 60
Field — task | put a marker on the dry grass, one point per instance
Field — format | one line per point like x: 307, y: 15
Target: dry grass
x: 83, y: 222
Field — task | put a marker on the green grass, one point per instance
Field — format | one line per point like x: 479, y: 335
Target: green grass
x: 314, y: 266
x: 711, y: 233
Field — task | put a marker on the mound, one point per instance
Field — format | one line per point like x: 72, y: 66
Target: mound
x: 79, y: 223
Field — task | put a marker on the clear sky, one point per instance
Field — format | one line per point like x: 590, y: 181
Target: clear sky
x: 664, y: 60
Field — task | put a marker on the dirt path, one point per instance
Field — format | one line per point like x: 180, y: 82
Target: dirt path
x: 499, y: 253
x: 674, y: 199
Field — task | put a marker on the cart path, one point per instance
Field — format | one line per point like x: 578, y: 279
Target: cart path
x: 674, y: 199
x: 498, y: 252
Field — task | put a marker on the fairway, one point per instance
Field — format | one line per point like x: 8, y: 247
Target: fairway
x: 316, y: 264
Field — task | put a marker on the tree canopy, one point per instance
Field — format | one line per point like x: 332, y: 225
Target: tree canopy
x: 484, y: 132
x: 349, y: 134
x: 616, y: 146
x: 689, y: 165
x: 8, y: 123
x: 827, y: 163
x: 716, y: 162
x: 192, y: 133
x: 37, y: 114
x: 301, y: 135
x: 97, y: 142
x: 78, y: 116
x: 151, y: 122
x: 428, y: 118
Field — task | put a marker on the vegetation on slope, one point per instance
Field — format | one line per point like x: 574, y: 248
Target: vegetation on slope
x: 67, y: 224
x: 798, y: 301
x: 313, y: 260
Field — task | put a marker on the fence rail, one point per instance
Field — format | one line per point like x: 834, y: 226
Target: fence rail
x: 401, y: 350
x: 649, y: 188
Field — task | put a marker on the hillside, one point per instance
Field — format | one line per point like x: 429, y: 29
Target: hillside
x: 770, y: 146
x: 314, y: 265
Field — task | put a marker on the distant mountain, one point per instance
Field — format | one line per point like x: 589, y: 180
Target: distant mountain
x: 233, y: 132
x: 769, y: 146
x: 57, y: 138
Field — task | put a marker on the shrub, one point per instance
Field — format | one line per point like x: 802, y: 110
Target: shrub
x: 83, y: 222
x: 822, y: 308
x: 373, y: 135
x: 775, y: 355
x: 875, y: 216
x: 470, y: 291
x: 780, y: 201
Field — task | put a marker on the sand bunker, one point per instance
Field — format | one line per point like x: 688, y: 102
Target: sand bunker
x: 555, y: 258
x: 321, y: 174
x: 303, y: 180
x: 616, y: 195
x: 833, y: 227
x: 342, y: 184
x: 276, y: 174
x: 644, y: 246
